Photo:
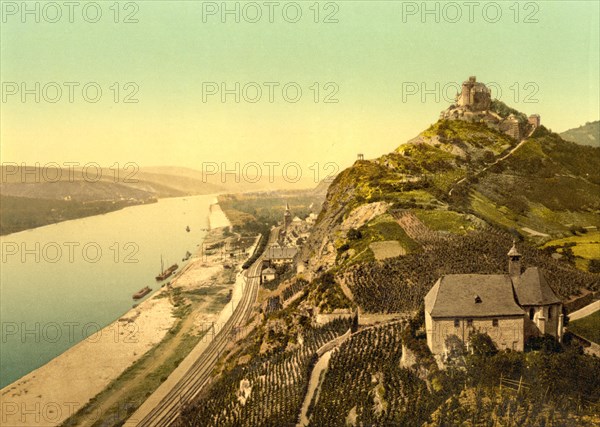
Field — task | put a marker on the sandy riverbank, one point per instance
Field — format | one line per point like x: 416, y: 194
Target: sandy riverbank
x: 216, y: 216
x: 53, y: 392
x: 218, y: 322
x: 50, y: 394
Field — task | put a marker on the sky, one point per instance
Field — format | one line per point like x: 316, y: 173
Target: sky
x: 335, y: 78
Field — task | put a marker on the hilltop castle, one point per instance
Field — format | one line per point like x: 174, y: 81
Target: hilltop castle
x: 474, y: 104
x: 475, y: 96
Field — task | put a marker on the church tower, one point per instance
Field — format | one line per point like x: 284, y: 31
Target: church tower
x: 514, y: 262
x: 287, y: 216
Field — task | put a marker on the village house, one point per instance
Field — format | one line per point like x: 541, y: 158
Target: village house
x: 510, y: 308
x: 277, y: 255
x: 267, y: 275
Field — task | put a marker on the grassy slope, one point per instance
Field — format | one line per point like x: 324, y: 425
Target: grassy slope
x: 588, y: 327
x: 586, y: 245
x: 546, y: 186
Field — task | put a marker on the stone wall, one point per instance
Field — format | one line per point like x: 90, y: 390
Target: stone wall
x: 323, y: 318
x: 374, y: 318
x: 508, y: 334
x: 580, y: 302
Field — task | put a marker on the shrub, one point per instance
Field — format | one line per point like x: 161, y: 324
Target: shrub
x: 482, y: 344
x: 546, y: 344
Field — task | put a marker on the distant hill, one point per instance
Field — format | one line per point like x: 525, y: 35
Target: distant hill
x: 224, y: 175
x: 22, y: 213
x: 587, y: 134
x: 40, y: 196
x: 321, y: 188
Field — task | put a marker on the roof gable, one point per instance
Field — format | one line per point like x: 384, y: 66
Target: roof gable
x: 431, y: 296
x: 532, y: 289
x: 457, y: 296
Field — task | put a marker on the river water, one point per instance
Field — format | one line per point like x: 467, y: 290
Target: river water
x: 61, y: 283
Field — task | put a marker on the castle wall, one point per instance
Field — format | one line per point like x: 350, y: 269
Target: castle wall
x: 511, y: 128
x: 509, y: 334
x: 534, y: 120
x: 465, y: 96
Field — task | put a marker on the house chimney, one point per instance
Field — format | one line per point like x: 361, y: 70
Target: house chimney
x: 514, y: 262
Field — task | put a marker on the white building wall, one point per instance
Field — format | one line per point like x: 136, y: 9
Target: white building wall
x: 543, y: 322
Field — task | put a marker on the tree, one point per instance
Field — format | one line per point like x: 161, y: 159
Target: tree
x: 488, y: 156
x: 482, y: 344
x: 456, y: 351
x: 594, y: 266
x: 354, y: 234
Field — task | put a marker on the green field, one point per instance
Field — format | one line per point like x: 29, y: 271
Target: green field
x: 588, y: 327
x: 586, y: 245
x: 441, y: 220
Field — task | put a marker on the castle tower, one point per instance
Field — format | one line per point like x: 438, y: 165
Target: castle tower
x: 514, y: 262
x: 287, y: 216
x: 474, y: 96
x: 534, y: 120
x: 360, y: 156
x: 465, y: 95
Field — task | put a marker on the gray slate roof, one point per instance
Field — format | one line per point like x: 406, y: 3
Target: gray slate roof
x: 281, y: 253
x: 454, y: 295
x: 532, y: 289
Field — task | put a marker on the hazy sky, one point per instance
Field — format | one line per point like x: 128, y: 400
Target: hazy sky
x: 374, y: 58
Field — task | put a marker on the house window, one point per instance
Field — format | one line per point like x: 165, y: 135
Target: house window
x: 494, y: 322
x: 550, y: 313
x: 456, y: 323
x: 531, y: 313
x: 470, y: 323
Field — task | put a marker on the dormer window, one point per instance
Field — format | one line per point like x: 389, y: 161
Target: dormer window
x: 477, y: 299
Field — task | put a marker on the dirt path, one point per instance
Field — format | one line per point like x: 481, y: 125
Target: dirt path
x: 510, y: 153
x: 314, y: 385
x: 585, y: 311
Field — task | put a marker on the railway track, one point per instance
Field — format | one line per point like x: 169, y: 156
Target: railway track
x: 187, y: 388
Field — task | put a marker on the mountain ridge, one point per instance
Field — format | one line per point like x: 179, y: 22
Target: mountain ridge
x: 538, y: 188
x: 587, y: 134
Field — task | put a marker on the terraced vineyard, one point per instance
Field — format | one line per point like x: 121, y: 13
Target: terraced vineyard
x: 268, y: 391
x: 365, y: 384
x: 400, y: 284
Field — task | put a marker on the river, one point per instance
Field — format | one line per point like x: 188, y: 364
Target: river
x: 61, y: 283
